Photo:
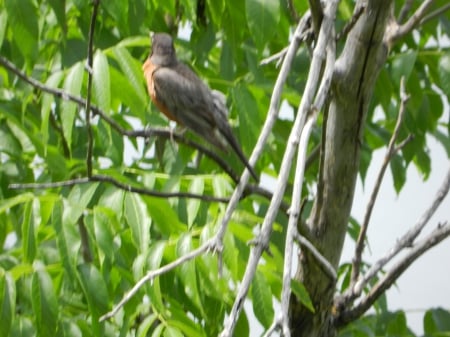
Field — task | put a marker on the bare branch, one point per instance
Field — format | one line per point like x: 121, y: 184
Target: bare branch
x: 389, y: 278
x: 405, y: 241
x: 405, y: 10
x: 387, y: 158
x: 353, y: 20
x: 326, y: 265
x: 90, y: 137
x: 438, y: 12
x: 262, y: 240
x: 410, y: 24
x: 118, y: 184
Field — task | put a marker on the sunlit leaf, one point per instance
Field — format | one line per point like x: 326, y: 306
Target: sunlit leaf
x: 262, y: 300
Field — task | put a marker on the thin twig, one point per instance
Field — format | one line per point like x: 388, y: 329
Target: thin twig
x: 90, y: 137
x: 435, y: 14
x: 390, y: 277
x: 405, y: 241
x: 327, y: 267
x: 404, y: 10
x: 411, y: 23
x: 310, y: 90
x: 353, y: 20
x: 387, y: 158
x: 118, y: 184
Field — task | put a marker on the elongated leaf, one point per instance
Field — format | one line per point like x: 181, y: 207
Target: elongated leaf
x: 68, y: 241
x: 19, y: 199
x: 45, y: 304
x: 47, y: 101
x: 138, y: 220
x: 155, y: 255
x: 101, y: 81
x: 23, y: 20
x: 262, y: 300
x: 72, y: 84
x: 103, y: 231
x: 7, y: 301
x: 193, y: 205
x: 302, y: 294
x: 28, y: 234
x: 78, y: 200
x: 435, y: 321
x: 262, y: 17
x: 444, y: 73
x: 95, y: 291
x: 164, y: 216
x: 132, y: 71
x: 188, y: 272
x: 3, y: 21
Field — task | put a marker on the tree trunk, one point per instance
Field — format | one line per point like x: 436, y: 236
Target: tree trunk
x: 354, y: 77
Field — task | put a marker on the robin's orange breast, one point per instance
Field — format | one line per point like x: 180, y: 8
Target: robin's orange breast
x: 149, y: 68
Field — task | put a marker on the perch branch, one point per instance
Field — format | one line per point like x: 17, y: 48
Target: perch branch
x: 391, y: 149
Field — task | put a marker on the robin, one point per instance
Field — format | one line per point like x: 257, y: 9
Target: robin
x: 184, y: 98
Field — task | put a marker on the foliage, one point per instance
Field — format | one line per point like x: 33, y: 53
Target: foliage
x: 70, y: 253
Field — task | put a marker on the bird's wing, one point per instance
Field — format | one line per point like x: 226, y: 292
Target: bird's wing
x: 185, y: 97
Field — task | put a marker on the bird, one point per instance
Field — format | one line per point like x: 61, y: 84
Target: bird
x: 183, y: 97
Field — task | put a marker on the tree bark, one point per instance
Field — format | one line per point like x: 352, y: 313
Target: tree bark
x: 354, y: 77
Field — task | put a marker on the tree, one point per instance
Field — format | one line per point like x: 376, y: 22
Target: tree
x: 112, y: 223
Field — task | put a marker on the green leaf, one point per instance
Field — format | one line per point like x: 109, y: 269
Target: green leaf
x: 163, y: 216
x: 103, y: 230
x: 44, y: 302
x: 78, y: 200
x: 28, y: 234
x: 47, y: 101
x: 145, y: 326
x: 436, y: 321
x: 262, y: 17
x: 72, y: 85
x: 155, y: 254
x: 216, y: 8
x: 444, y: 73
x: 7, y: 301
x: 138, y: 220
x: 171, y: 331
x: 262, y: 300
x: 132, y: 70
x: 193, y: 205
x: 95, y: 290
x: 3, y: 22
x: 58, y: 7
x: 302, y: 294
x: 101, y: 83
x: 7, y: 204
x: 67, y: 239
x: 188, y: 273
x: 398, y: 170
x: 402, y: 65
x: 24, y: 25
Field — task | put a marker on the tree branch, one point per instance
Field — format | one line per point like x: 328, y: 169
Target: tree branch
x: 401, y: 30
x: 89, y: 66
x: 391, y: 149
x: 405, y: 241
x: 326, y: 33
x: 404, y: 10
x: 389, y: 278
x: 353, y: 20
